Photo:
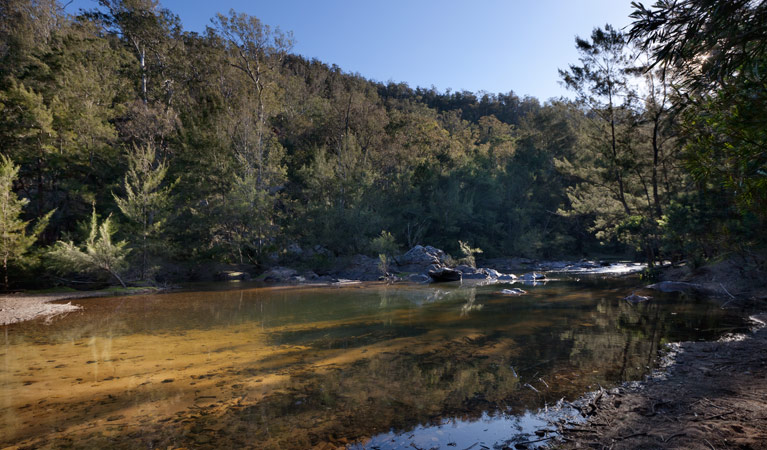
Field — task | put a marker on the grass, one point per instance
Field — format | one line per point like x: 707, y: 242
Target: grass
x: 53, y: 290
x: 129, y: 290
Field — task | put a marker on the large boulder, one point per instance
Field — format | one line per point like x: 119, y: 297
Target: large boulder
x: 419, y: 258
x: 360, y: 267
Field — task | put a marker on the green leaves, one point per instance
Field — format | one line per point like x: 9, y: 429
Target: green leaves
x: 100, y: 253
x: 15, y: 241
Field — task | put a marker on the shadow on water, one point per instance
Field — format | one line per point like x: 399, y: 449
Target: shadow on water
x: 374, y: 366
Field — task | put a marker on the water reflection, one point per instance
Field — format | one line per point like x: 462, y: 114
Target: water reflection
x: 303, y: 367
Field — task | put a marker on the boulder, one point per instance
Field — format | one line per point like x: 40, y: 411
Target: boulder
x: 419, y: 278
x: 294, y: 250
x: 309, y: 275
x: 464, y: 269
x: 533, y: 276
x: 423, y: 255
x: 445, y: 274
x: 278, y: 274
x: 360, y: 267
x: 507, y: 277
x: 492, y: 273
x: 479, y: 274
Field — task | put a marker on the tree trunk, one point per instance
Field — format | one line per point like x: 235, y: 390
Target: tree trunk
x: 655, y: 158
x: 114, y: 274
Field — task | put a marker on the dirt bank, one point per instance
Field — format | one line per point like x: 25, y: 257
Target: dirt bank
x: 713, y: 395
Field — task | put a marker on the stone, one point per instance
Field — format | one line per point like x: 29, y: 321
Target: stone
x: 423, y: 256
x: 419, y: 278
x: 513, y: 291
x: 294, y: 249
x: 277, y: 274
x: 445, y: 274
x: 533, y: 276
x: 633, y: 298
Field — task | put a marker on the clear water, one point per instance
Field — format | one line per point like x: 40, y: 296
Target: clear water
x: 367, y: 366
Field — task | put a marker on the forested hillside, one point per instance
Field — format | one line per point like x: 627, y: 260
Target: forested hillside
x: 124, y: 134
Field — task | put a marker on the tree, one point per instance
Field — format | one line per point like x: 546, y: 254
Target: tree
x: 145, y: 202
x: 100, y: 253
x: 14, y: 239
x: 719, y: 51
x: 601, y: 84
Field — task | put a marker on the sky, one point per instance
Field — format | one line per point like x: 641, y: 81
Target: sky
x: 494, y: 46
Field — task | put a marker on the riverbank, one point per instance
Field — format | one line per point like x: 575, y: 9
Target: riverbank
x: 20, y: 307
x: 712, y: 395
x: 708, y: 395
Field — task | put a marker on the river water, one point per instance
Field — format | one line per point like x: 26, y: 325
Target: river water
x: 366, y: 366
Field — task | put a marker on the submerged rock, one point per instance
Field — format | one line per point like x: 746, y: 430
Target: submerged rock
x: 676, y: 286
x: 513, y: 291
x: 634, y: 298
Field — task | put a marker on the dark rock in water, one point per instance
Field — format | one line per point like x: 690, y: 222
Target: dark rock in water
x: 507, y: 277
x: 232, y: 275
x: 513, y: 291
x: 278, y: 274
x: 445, y: 274
x: 676, y: 286
x: 633, y: 298
x: 533, y: 276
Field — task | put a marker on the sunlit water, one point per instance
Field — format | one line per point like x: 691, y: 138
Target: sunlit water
x: 369, y: 366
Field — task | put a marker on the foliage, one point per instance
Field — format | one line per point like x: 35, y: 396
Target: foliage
x: 145, y: 203
x: 383, y: 264
x: 718, y: 52
x: 100, y: 253
x: 15, y: 240
x: 385, y: 244
x: 662, y: 158
x: 468, y: 254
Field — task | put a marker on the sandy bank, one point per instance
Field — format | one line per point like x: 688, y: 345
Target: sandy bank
x: 16, y: 308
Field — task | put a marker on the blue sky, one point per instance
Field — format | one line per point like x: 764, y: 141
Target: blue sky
x: 490, y: 45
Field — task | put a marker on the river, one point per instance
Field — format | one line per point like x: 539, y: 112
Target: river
x: 365, y: 366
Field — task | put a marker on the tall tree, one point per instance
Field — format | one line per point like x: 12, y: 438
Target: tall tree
x: 719, y: 51
x: 15, y: 240
x: 146, y: 201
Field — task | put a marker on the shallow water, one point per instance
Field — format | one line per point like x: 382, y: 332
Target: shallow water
x: 369, y: 366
